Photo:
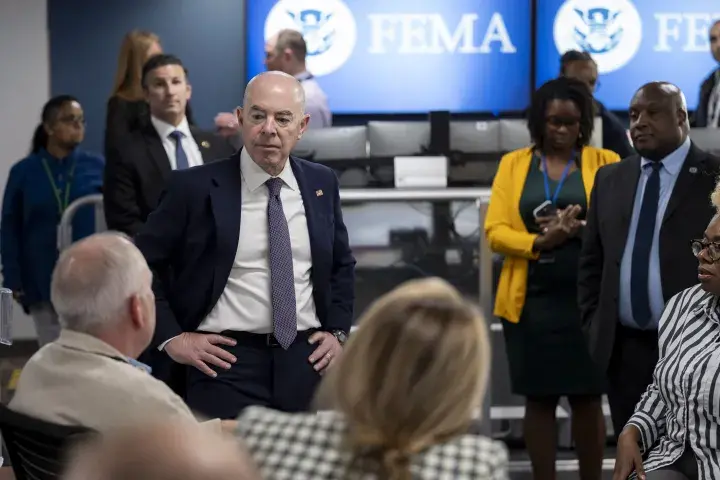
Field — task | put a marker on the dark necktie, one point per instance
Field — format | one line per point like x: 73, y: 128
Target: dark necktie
x: 639, y: 272
x: 282, y: 279
x: 181, y: 160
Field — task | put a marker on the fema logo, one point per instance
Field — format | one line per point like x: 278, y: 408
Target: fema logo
x: 610, y: 30
x: 328, y: 27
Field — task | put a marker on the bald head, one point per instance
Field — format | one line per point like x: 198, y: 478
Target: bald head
x: 96, y: 279
x: 177, y: 451
x: 272, y: 119
x: 275, y: 82
x: 664, y: 91
x: 659, y: 121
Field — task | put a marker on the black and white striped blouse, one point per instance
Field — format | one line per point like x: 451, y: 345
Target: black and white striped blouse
x: 682, y: 405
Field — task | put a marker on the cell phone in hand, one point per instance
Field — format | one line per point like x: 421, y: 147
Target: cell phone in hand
x: 545, y: 209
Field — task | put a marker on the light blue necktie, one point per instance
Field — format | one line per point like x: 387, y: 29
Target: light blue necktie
x: 181, y: 160
x: 282, y: 278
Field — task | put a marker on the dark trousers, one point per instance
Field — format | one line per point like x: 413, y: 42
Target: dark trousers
x: 684, y: 468
x: 264, y: 374
x: 630, y: 371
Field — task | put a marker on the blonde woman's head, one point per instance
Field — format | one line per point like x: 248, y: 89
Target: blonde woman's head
x: 136, y: 48
x: 412, y: 375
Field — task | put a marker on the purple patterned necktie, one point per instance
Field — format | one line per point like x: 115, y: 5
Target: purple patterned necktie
x: 282, y: 279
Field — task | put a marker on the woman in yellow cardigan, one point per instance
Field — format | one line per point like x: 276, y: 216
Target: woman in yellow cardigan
x: 537, y: 206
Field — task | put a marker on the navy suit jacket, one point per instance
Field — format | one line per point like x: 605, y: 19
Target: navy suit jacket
x: 191, y: 239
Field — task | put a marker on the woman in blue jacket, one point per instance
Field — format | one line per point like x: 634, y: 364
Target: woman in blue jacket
x: 39, y: 189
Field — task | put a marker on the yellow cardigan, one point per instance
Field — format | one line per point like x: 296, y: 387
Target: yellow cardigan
x: 505, y: 229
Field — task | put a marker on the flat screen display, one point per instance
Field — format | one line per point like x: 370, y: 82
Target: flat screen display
x: 405, y: 56
x: 633, y: 42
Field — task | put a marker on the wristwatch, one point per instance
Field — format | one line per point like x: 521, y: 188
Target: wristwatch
x: 340, y: 335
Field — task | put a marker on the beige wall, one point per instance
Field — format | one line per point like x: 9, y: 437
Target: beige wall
x: 24, y: 88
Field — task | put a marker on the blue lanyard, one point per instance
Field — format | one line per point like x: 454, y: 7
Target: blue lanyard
x: 563, y: 177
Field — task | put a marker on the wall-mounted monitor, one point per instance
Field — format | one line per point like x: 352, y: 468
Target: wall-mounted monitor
x: 405, y: 56
x: 633, y: 42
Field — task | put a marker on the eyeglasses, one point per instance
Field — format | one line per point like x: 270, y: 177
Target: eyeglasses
x: 713, y: 249
x: 72, y: 120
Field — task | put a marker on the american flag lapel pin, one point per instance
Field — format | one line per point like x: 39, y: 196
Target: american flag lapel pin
x: 319, y: 193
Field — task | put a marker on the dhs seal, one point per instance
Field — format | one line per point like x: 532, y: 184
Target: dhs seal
x: 609, y: 30
x: 328, y: 27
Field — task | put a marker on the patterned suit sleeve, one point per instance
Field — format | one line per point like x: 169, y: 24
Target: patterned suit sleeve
x: 500, y: 464
x: 650, y: 413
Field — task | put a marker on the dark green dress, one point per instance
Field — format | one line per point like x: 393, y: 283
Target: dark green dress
x: 547, y: 351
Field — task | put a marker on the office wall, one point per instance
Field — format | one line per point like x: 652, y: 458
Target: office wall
x: 208, y: 35
x: 24, y: 88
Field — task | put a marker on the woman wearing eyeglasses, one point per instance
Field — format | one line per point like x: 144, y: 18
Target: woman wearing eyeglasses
x: 676, y: 424
x: 535, y: 219
x: 39, y: 189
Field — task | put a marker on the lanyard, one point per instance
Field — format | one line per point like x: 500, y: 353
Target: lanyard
x: 560, y: 182
x: 305, y: 76
x: 64, y: 200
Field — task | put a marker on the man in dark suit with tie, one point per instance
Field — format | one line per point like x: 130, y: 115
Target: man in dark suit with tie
x: 137, y: 168
x: 254, y: 274
x: 636, y: 254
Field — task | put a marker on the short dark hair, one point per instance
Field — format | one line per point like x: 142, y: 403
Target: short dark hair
x: 561, y: 88
x: 157, y: 61
x: 293, y: 40
x: 50, y: 111
x: 573, y: 56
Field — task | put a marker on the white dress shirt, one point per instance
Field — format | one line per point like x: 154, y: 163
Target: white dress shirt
x: 191, y: 149
x: 316, y: 102
x: 245, y: 304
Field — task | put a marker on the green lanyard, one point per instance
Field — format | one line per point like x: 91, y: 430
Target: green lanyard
x: 62, y: 201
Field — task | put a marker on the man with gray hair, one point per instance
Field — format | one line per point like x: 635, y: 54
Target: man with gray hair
x: 286, y: 52
x: 255, y: 277
x: 102, y: 291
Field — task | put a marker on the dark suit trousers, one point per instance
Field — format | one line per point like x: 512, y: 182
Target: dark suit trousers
x: 630, y: 371
x: 262, y: 375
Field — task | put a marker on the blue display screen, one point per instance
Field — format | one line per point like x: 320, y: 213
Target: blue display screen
x: 405, y: 56
x: 632, y: 42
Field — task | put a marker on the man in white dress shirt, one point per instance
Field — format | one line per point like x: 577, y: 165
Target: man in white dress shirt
x: 255, y: 277
x: 286, y: 52
x: 138, y: 168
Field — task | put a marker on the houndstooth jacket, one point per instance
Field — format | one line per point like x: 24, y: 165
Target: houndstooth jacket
x: 308, y: 446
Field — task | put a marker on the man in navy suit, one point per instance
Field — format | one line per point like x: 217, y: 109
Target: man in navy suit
x: 254, y: 277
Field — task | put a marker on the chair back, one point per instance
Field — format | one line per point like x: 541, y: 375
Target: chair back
x: 37, y: 448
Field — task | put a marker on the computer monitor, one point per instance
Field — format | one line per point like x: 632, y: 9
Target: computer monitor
x: 333, y: 143
x: 475, y: 137
x: 391, y: 139
x: 707, y: 139
x: 514, y: 134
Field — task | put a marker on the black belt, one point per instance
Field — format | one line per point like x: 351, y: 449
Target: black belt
x: 249, y: 339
